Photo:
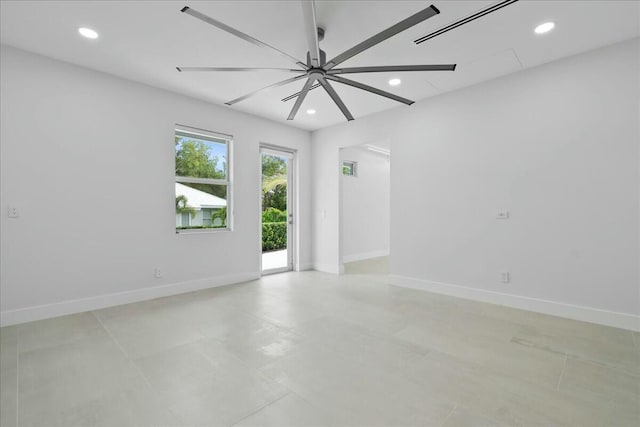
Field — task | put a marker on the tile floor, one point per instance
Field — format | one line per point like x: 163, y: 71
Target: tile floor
x: 312, y: 349
x: 378, y: 265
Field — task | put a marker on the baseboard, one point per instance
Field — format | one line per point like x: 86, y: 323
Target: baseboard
x: 29, y: 314
x: 364, y: 255
x: 327, y: 268
x: 305, y: 266
x: 570, y: 311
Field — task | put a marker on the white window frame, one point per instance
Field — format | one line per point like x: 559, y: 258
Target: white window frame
x: 216, y: 137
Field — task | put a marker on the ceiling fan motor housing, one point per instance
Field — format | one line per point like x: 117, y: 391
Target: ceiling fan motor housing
x: 323, y: 58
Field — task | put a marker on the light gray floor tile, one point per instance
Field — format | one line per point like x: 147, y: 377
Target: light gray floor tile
x: 462, y: 417
x: 619, y: 355
x: 8, y: 376
x: 261, y: 344
x: 8, y: 348
x: 361, y: 345
x: 9, y: 397
x: 317, y: 349
x: 454, y: 379
x: 130, y: 407
x: 287, y: 312
x: 513, y: 402
x: 599, y: 344
x: 372, y: 317
x: 378, y: 265
x: 355, y: 393
x: 204, y: 384
x: 56, y: 379
x: 602, y: 383
x: 149, y: 330
x: 290, y: 410
x: 56, y: 331
x: 491, y: 350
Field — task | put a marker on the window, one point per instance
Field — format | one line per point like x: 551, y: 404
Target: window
x: 203, y: 179
x: 349, y: 168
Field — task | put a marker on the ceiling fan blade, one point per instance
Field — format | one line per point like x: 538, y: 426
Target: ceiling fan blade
x: 295, y: 95
x: 383, y: 35
x: 311, y: 30
x: 237, y: 69
x: 387, y: 68
x: 240, y: 34
x: 466, y: 20
x: 282, y: 83
x: 301, y: 97
x: 369, y: 89
x: 332, y: 93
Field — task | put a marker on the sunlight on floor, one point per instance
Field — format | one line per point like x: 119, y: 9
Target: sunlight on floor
x: 275, y: 259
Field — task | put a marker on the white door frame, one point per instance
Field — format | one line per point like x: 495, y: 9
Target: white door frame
x: 292, y: 220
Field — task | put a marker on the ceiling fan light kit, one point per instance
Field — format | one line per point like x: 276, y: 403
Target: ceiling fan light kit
x: 319, y: 72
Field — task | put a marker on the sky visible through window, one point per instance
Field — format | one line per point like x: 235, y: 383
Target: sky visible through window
x: 216, y: 150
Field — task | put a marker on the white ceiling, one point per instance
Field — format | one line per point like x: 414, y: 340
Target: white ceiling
x: 146, y: 40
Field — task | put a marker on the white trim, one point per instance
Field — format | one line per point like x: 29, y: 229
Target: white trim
x: 327, y: 268
x: 292, y: 198
x: 29, y: 314
x: 554, y: 308
x: 202, y: 132
x: 365, y: 255
x: 210, y: 181
x: 304, y: 266
x: 277, y: 152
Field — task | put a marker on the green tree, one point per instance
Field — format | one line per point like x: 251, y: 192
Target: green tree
x: 193, y: 159
x: 273, y: 215
x: 222, y: 214
x: 274, y: 183
x: 182, y: 206
x: 272, y: 165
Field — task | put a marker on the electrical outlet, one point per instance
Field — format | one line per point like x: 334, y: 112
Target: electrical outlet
x: 505, y: 277
x: 502, y: 215
x: 14, y: 212
x: 157, y: 273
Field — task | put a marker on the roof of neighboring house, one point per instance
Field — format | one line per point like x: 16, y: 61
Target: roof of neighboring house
x: 199, y: 199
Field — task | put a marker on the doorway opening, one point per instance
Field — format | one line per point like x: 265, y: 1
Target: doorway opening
x: 365, y: 208
x: 277, y: 209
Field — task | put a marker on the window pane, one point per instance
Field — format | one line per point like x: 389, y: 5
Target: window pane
x: 200, y: 158
x: 202, y: 205
x: 349, y: 168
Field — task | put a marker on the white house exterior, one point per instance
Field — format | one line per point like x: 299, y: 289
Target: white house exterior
x: 204, y: 204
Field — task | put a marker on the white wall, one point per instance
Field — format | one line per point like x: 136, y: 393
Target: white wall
x: 365, y: 205
x: 88, y: 158
x: 556, y: 145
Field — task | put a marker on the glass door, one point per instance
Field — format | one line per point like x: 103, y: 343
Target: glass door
x: 277, y: 214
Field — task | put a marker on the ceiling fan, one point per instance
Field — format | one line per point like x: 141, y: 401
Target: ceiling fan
x: 316, y: 68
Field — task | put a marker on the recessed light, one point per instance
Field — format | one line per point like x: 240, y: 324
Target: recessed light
x: 88, y: 33
x: 395, y: 82
x: 544, y: 28
x: 311, y: 111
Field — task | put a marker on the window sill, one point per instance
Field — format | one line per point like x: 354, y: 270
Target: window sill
x: 203, y: 230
